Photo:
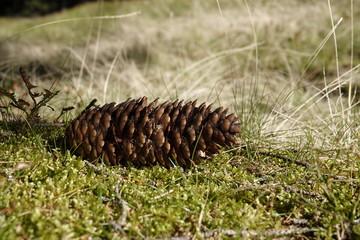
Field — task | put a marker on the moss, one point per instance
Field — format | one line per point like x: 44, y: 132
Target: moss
x: 64, y: 198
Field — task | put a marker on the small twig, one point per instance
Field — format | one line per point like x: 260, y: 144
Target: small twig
x: 245, y: 233
x: 106, y: 200
x: 118, y: 225
x: 280, y: 232
x: 7, y: 162
x: 295, y: 221
x: 163, y: 194
x: 124, y: 204
x: 201, y: 215
x: 29, y: 86
x: 16, y: 105
x: 122, y: 220
x: 216, y: 232
x: 302, y: 192
x: 279, y: 156
x: 96, y: 169
x: 55, y: 124
x: 282, y: 157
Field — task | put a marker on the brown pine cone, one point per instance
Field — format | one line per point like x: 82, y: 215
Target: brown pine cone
x: 141, y: 134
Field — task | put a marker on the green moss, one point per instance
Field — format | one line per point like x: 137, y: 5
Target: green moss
x: 57, y: 194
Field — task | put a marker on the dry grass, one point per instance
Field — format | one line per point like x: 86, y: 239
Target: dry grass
x: 235, y: 53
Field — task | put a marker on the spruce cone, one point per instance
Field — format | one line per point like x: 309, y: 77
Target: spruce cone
x: 140, y: 134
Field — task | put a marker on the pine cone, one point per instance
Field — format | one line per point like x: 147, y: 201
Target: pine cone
x: 140, y: 134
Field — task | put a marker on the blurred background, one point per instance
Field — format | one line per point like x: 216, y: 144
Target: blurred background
x: 35, y: 7
x: 285, y: 63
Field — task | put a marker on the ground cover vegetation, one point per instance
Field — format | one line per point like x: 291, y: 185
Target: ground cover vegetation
x: 288, y: 69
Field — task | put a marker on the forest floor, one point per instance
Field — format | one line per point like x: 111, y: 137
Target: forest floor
x: 288, y: 69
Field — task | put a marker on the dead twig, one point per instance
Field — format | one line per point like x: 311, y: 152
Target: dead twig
x: 163, y: 194
x: 276, y: 155
x: 302, y: 192
x: 124, y: 205
x: 242, y: 234
x: 96, y: 169
x: 295, y: 221
x: 43, y: 124
x: 118, y: 225
x: 284, y: 158
x: 106, y: 200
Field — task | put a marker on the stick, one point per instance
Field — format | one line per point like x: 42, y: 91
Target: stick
x: 245, y: 233
x: 302, y: 192
x: 118, y: 226
x: 96, y: 169
x: 282, y: 157
x: 279, y: 156
x: 163, y: 194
